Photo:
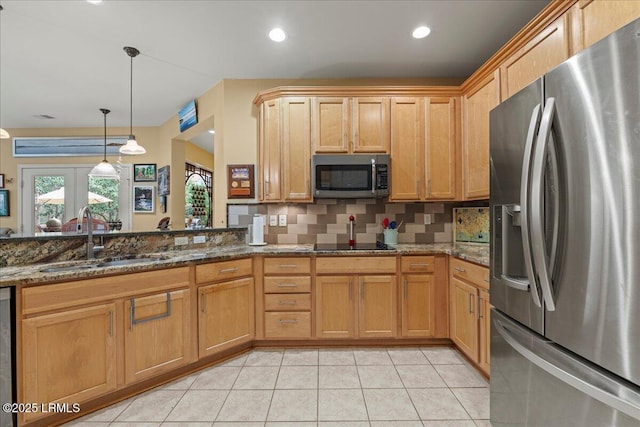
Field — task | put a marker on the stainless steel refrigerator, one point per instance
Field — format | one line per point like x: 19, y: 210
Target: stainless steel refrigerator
x: 565, y: 255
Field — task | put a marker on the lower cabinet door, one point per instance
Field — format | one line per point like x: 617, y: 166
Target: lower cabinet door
x: 69, y: 357
x: 464, y: 323
x: 335, y: 307
x: 226, y: 315
x: 484, y: 307
x: 418, y: 305
x: 157, y: 334
x: 377, y: 306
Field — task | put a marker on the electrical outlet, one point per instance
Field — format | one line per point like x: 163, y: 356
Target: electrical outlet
x: 427, y: 218
x: 179, y: 241
x: 282, y: 220
x: 273, y: 220
x: 199, y: 239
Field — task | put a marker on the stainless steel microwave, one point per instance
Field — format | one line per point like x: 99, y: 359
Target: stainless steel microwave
x: 350, y: 176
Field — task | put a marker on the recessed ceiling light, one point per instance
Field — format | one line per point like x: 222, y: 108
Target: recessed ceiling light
x: 421, y: 32
x: 212, y: 131
x: 94, y: 1
x: 277, y: 35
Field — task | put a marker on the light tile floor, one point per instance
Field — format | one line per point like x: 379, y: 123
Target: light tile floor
x: 407, y: 387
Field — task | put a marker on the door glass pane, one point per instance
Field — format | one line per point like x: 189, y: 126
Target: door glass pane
x: 49, y: 203
x: 197, y: 202
x: 104, y: 203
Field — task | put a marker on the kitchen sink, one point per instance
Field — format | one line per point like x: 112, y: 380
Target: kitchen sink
x: 127, y: 261
x: 103, y: 264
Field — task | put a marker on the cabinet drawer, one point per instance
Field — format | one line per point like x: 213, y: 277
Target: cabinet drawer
x: 287, y: 284
x: 287, y: 302
x: 417, y: 264
x: 223, y: 270
x: 353, y: 264
x: 287, y: 265
x: 287, y: 325
x: 473, y: 273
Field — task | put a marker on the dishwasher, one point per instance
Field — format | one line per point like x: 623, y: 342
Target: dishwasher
x: 7, y: 355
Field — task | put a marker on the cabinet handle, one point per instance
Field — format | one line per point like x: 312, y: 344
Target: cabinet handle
x: 110, y: 323
x: 228, y: 270
x: 132, y: 313
x: 203, y: 303
x: 470, y: 303
x: 418, y: 188
x: 287, y: 266
x: 479, y: 315
x: 266, y: 188
x: 419, y: 264
x: 288, y: 321
x: 406, y: 289
x: 486, y: 280
x: 428, y: 187
x: 287, y: 302
x: 461, y: 270
x: 287, y: 285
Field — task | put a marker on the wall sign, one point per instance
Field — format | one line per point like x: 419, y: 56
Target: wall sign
x: 240, y: 182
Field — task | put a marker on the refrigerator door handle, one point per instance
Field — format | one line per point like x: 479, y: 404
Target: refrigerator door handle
x: 537, y: 204
x: 524, y: 206
x: 545, y: 355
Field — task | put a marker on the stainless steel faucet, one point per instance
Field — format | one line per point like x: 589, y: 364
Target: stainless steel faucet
x: 85, y: 211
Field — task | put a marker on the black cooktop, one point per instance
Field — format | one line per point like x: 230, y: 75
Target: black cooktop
x: 328, y: 247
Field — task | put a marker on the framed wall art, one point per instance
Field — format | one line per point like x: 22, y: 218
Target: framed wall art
x: 164, y: 181
x: 143, y: 199
x: 4, y: 203
x: 144, y: 172
x: 1, y: 180
x: 240, y: 182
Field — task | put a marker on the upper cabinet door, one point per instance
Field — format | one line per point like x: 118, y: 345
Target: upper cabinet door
x: 407, y: 148
x: 441, y: 124
x: 330, y: 124
x: 296, y: 142
x: 270, y: 147
x: 591, y: 20
x: 475, y: 139
x: 371, y: 125
x: 546, y: 50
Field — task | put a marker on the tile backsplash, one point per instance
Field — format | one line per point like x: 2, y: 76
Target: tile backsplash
x: 471, y: 225
x: 327, y: 221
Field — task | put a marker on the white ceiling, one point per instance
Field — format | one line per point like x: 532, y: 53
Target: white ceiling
x: 65, y: 58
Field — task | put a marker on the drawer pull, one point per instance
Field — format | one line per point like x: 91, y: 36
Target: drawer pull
x: 228, y: 270
x: 287, y: 266
x: 287, y: 285
x: 287, y: 302
x: 284, y: 321
x: 419, y: 264
x: 132, y: 312
x: 461, y: 270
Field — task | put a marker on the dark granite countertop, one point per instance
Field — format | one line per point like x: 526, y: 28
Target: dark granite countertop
x: 33, y: 274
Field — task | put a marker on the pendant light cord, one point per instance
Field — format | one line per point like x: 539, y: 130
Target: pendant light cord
x: 131, y: 100
x: 105, y: 136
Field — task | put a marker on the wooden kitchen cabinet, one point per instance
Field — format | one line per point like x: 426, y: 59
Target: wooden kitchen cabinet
x: 296, y: 147
x: 270, y: 148
x: 592, y: 20
x: 423, y: 148
x: 476, y: 104
x: 546, y: 50
x: 157, y: 334
x: 69, y: 356
x: 226, y: 315
x: 356, y: 297
x: 287, y: 298
x: 470, y: 310
x: 371, y: 125
x: 331, y: 124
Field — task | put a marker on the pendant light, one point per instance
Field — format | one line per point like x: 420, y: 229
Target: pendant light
x: 132, y: 147
x: 3, y: 133
x: 104, y: 169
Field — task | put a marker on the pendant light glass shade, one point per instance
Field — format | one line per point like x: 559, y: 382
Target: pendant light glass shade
x: 132, y: 147
x: 4, y: 134
x: 104, y: 169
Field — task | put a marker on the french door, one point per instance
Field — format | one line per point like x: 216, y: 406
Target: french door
x: 59, y: 191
